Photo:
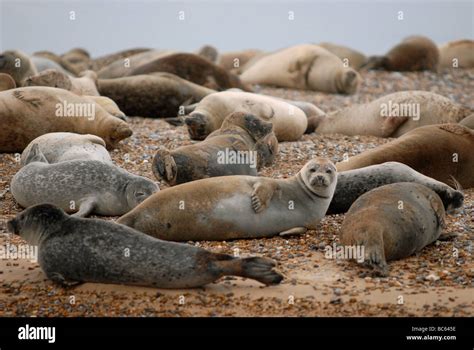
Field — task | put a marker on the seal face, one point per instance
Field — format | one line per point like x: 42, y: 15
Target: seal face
x: 85, y: 186
x: 242, y: 146
x: 393, y: 222
x: 74, y: 250
x: 238, y: 206
x: 16, y: 64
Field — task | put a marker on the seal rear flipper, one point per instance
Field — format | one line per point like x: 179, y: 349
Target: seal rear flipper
x: 164, y: 166
x: 294, y: 231
x: 260, y: 269
x: 177, y: 121
x: 35, y: 155
x: 262, y: 195
x: 86, y: 207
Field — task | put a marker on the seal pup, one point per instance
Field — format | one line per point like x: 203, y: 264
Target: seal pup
x: 415, y: 53
x: 351, y: 184
x: 74, y: 250
x: 193, y: 68
x: 305, y: 67
x: 29, y: 112
x: 289, y: 122
x: 392, y: 115
x: 85, y: 84
x: 248, y: 139
x: 88, y: 186
x: 18, y: 65
x: 457, y: 54
x: 355, y: 59
x: 393, y: 222
x: 152, y: 95
x: 442, y: 152
x: 235, y: 207
x: 63, y: 146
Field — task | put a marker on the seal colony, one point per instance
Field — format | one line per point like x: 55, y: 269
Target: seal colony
x: 65, y: 166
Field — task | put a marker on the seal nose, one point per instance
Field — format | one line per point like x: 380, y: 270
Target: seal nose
x: 319, y: 180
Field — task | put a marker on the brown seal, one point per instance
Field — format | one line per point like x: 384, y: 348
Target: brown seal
x: 391, y: 115
x: 306, y: 67
x: 193, y: 68
x: 29, y: 112
x: 442, y: 152
x: 242, y: 146
x: 457, y: 54
x: 233, y: 207
x: 153, y: 95
x: 18, y: 65
x: 74, y: 250
x: 393, y: 222
x: 415, y: 53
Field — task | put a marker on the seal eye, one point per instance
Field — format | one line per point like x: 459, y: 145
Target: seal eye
x: 329, y: 171
x: 312, y: 170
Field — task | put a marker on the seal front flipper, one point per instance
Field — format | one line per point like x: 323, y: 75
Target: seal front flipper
x: 28, y: 97
x: 35, y: 155
x: 294, y: 231
x: 262, y: 195
x: 56, y: 277
x: 164, y: 166
x: 391, y: 124
x: 86, y: 208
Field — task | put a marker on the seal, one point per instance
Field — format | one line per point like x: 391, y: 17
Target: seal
x: 76, y: 250
x: 392, y: 115
x: 415, y: 53
x: 6, y: 82
x: 242, y: 146
x: 88, y: 186
x: 122, y: 66
x: 29, y: 112
x: 78, y: 59
x: 42, y: 63
x: 289, y: 122
x: 450, y: 156
x: 85, y: 84
x: 351, y: 184
x: 306, y: 67
x: 153, y: 95
x: 58, y: 59
x: 103, y: 61
x: 355, y: 59
x: 18, y: 65
x: 63, y: 146
x: 234, y: 207
x: 393, y: 222
x: 234, y: 60
x: 193, y: 68
x: 457, y: 54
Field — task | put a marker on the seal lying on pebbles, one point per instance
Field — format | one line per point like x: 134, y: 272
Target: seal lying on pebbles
x: 289, y: 122
x: 355, y: 59
x: 75, y: 250
x: 26, y: 113
x: 193, y: 68
x: 442, y: 152
x: 457, y: 54
x: 18, y: 65
x: 393, y: 222
x: 85, y: 84
x: 63, y: 146
x: 352, y: 184
x: 415, y: 53
x: 392, y: 115
x: 307, y: 67
x: 89, y: 186
x: 248, y: 139
x: 233, y: 207
x: 154, y: 95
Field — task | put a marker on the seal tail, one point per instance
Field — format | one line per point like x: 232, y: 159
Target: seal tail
x: 260, y: 269
x: 164, y: 166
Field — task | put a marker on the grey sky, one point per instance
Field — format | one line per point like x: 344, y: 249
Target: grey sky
x: 104, y: 26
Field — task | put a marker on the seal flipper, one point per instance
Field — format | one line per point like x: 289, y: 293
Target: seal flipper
x: 391, y: 124
x: 56, y: 277
x: 35, y: 155
x: 294, y: 231
x: 438, y: 209
x: 262, y: 195
x: 86, y: 207
x: 164, y: 166
x: 376, y: 260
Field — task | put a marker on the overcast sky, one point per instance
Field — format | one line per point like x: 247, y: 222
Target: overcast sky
x: 104, y: 26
